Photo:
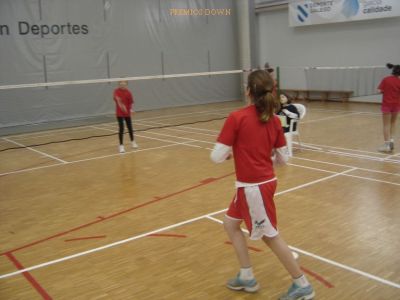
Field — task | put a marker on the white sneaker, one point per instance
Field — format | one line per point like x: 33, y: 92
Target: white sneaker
x: 121, y: 149
x: 385, y: 148
x: 391, y: 144
x: 134, y: 145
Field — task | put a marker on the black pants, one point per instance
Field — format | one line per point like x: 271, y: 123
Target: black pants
x: 128, y: 122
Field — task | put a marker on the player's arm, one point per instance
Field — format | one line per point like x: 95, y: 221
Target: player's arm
x: 281, y: 156
x: 120, y: 103
x: 220, y: 153
x: 223, y: 147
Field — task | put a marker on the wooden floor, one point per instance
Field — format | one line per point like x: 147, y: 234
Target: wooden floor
x: 89, y: 223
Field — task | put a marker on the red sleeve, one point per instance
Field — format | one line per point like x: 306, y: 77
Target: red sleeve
x: 382, y: 85
x: 130, y: 98
x: 280, y: 138
x: 227, y: 135
x: 116, y: 94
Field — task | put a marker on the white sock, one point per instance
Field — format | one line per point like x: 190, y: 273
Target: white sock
x: 301, y: 281
x: 246, y: 273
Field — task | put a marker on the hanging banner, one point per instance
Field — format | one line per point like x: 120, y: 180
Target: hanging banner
x: 311, y: 12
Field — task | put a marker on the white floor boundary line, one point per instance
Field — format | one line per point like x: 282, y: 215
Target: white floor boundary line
x: 339, y: 110
x: 181, y: 126
x: 162, y: 140
x: 84, y: 127
x: 320, y: 148
x: 338, y: 153
x: 89, y: 159
x: 393, y: 155
x: 328, y: 151
x: 341, y: 148
x: 343, y: 165
x: 37, y: 151
x: 324, y: 151
x: 329, y: 118
x: 331, y: 262
x: 146, y: 234
x: 194, y: 140
x: 175, y: 136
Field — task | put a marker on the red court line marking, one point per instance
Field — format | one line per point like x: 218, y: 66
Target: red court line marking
x: 208, y: 180
x: 168, y: 235
x: 101, y: 219
x: 318, y: 277
x: 29, y: 277
x: 86, y: 238
x: 249, y: 247
x: 53, y: 236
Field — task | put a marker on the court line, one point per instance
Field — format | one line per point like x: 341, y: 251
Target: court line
x: 115, y: 214
x: 37, y: 151
x: 331, y: 262
x: 343, y: 165
x: 328, y: 118
x: 137, y: 236
x: 330, y: 151
x: 348, y: 175
x: 51, y: 132
x: 162, y: 140
x: 340, y: 110
x: 36, y: 285
x: 89, y: 159
x: 352, y: 155
x: 323, y: 151
x: 340, y: 148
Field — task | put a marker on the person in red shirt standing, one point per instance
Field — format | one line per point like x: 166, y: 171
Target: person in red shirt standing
x: 123, y: 106
x: 254, y: 137
x: 390, y: 88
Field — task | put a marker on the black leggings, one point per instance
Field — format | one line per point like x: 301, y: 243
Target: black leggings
x: 128, y: 122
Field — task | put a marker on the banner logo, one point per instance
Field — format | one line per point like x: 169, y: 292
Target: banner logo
x: 350, y: 8
x: 302, y: 12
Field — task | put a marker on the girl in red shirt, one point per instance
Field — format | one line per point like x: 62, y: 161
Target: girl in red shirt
x: 390, y: 88
x: 123, y: 106
x: 253, y: 135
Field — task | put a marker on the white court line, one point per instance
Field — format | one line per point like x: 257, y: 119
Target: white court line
x: 328, y: 118
x: 339, y: 110
x: 348, y: 175
x: 145, y: 234
x: 329, y: 261
x: 324, y: 151
x: 89, y: 159
x: 67, y: 130
x: 393, y: 155
x: 174, y: 136
x: 181, y: 130
x: 162, y: 140
x: 347, y: 154
x: 341, y: 148
x: 37, y: 151
x: 343, y: 165
x: 206, y: 216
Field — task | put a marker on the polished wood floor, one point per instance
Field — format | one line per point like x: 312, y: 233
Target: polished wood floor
x: 95, y: 224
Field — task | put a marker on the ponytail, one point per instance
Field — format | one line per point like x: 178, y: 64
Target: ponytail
x: 265, y: 106
x: 260, y: 86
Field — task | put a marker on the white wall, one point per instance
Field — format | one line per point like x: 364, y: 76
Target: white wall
x: 363, y: 43
x: 372, y: 42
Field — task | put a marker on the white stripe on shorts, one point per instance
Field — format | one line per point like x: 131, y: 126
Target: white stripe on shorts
x: 261, y: 225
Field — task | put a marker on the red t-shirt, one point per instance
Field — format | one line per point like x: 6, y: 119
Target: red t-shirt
x: 126, y: 98
x: 390, y: 87
x: 252, y: 142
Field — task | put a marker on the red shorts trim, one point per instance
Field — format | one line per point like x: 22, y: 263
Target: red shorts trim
x: 388, y: 108
x: 262, y: 214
